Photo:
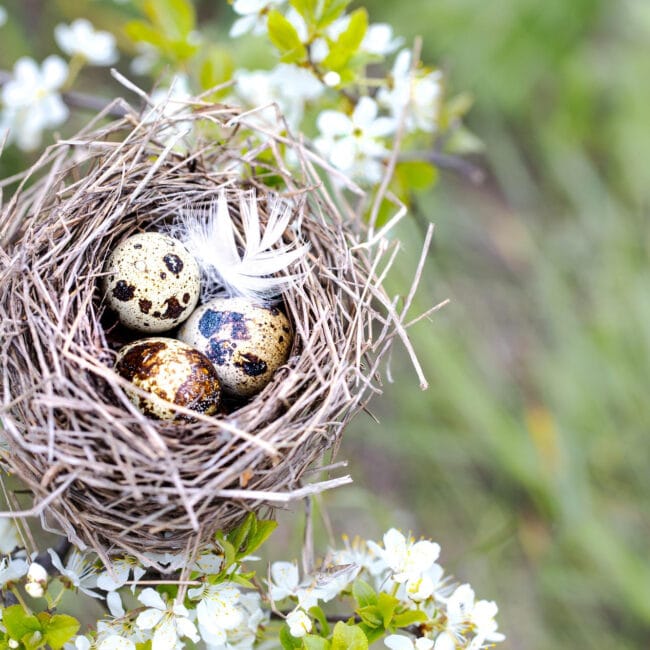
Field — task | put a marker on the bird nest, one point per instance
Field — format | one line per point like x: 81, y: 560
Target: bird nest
x: 99, y: 470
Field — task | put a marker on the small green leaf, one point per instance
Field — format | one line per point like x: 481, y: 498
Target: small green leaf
x: 330, y: 11
x: 348, y: 637
x: 372, y: 633
x: 371, y: 616
x: 237, y: 536
x: 347, y: 44
x: 317, y: 613
x: 409, y: 617
x: 19, y: 623
x: 175, y: 18
x: 141, y: 32
x: 386, y: 605
x: 216, y: 68
x: 263, y: 531
x: 288, y: 641
x: 417, y: 175
x: 363, y: 593
x: 285, y: 37
x: 314, y: 642
x: 306, y: 8
x: 60, y: 629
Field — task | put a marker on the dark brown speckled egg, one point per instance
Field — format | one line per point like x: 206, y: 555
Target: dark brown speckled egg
x: 169, y: 370
x: 246, y: 342
x: 153, y: 282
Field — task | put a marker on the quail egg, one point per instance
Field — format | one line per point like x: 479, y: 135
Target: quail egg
x: 153, y: 282
x: 171, y: 371
x: 245, y: 341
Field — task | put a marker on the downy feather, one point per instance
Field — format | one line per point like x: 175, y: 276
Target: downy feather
x: 246, y: 265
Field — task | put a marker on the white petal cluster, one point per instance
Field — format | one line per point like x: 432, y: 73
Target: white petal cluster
x: 169, y: 621
x: 414, y: 94
x: 8, y: 536
x: 288, y: 87
x: 31, y: 102
x: 80, y: 38
x: 355, y: 144
x: 12, y: 570
x: 79, y: 571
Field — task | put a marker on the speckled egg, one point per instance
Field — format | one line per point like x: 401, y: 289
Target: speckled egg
x: 153, y: 282
x: 246, y: 342
x: 169, y: 370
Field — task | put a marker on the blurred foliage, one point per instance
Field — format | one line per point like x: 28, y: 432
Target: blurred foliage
x: 529, y: 444
x: 526, y: 457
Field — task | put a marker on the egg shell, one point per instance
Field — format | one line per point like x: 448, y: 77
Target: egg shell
x: 246, y: 342
x: 169, y: 370
x: 153, y: 282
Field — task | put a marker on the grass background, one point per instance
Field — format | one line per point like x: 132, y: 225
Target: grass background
x: 527, y: 458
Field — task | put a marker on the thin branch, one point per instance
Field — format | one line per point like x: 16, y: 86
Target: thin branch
x: 461, y: 166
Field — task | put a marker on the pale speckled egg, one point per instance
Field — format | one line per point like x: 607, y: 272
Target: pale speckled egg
x: 246, y: 342
x: 153, y: 282
x: 169, y: 370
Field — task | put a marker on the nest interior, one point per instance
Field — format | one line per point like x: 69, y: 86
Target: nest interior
x: 100, y: 471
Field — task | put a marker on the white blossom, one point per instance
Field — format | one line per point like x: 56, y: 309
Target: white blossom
x: 80, y: 38
x: 79, y: 571
x: 170, y: 622
x: 357, y: 552
x: 31, y: 103
x: 121, y: 572
x: 284, y: 580
x: 288, y: 86
x: 145, y: 60
x: 8, y: 536
x: 402, y: 642
x: 253, y: 16
x: 243, y: 636
x: 3, y: 16
x: 416, y: 93
x: 217, y: 611
x: 299, y: 623
x: 36, y: 580
x: 379, y: 40
x: 12, y: 570
x: 407, y: 559
x: 485, y: 627
x: 353, y: 144
x: 116, y: 642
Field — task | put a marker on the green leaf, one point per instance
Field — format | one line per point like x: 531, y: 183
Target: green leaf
x: 216, y: 68
x: 19, y: 623
x: 175, y: 18
x: 330, y: 11
x: 141, y: 32
x: 347, y: 44
x: 348, y: 637
x: 372, y: 633
x: 285, y: 37
x: 417, y: 175
x: 315, y: 642
x: 288, y: 641
x: 307, y: 9
x: 386, y: 605
x: 319, y: 615
x: 60, y: 629
x: 409, y: 617
x: 363, y: 593
x: 237, y: 536
x: 263, y: 531
x: 371, y: 616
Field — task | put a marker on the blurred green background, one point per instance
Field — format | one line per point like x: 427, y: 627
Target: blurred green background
x: 527, y: 457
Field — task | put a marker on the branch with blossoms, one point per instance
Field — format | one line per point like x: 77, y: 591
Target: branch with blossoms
x: 394, y: 590
x: 363, y: 100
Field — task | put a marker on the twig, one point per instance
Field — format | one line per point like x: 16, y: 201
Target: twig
x: 456, y: 164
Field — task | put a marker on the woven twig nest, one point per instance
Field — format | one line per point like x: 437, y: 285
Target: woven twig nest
x: 100, y: 471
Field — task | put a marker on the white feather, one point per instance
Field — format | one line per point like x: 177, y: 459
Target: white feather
x: 254, y: 265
